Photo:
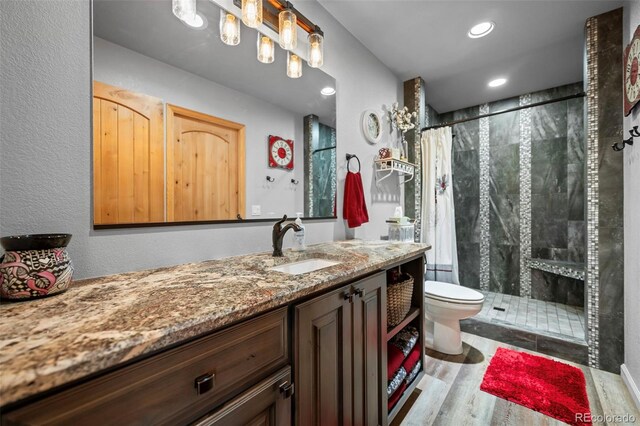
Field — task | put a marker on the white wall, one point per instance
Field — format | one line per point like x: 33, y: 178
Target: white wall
x: 122, y: 67
x: 631, y: 224
x: 45, y: 143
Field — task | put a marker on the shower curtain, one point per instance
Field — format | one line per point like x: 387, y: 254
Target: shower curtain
x: 438, y: 223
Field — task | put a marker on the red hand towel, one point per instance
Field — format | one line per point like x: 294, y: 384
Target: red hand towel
x: 355, y: 209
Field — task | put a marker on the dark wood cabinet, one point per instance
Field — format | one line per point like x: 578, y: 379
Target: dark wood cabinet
x: 340, y: 354
x: 369, y: 352
x: 266, y: 404
x: 174, y: 387
x: 241, y: 375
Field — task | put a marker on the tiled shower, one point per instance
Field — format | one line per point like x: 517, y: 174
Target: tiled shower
x: 518, y: 180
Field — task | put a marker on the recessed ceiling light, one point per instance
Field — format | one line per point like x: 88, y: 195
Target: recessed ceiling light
x: 481, y: 30
x: 199, y: 22
x: 328, y: 91
x: 497, y: 82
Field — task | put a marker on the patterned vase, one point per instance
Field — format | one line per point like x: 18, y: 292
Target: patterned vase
x: 35, y: 266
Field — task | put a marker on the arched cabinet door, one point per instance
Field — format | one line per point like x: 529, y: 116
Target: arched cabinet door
x: 128, y: 156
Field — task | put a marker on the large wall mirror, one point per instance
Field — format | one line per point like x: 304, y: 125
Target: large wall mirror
x: 188, y: 129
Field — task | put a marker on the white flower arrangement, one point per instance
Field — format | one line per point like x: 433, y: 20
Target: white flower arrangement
x: 402, y: 119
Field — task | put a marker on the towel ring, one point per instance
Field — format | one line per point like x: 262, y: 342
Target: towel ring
x: 349, y: 157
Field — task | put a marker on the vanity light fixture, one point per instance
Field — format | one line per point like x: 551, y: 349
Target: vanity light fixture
x: 229, y: 28
x: 287, y: 29
x: 294, y: 65
x: 315, y: 54
x: 266, y: 49
x: 328, y: 91
x: 497, y: 82
x: 199, y: 22
x: 185, y: 10
x: 252, y: 13
x: 480, y: 30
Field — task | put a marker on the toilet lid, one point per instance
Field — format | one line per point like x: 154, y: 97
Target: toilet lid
x: 452, y: 292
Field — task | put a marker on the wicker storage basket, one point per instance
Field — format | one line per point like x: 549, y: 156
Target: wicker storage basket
x: 399, y: 299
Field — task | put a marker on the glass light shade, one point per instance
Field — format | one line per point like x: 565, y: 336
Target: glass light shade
x: 294, y: 65
x: 266, y: 49
x: 229, y: 28
x: 287, y: 29
x: 315, y: 51
x: 252, y: 13
x: 184, y: 9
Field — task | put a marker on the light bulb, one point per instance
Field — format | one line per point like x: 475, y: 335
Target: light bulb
x: 266, y: 49
x: 294, y: 65
x: 287, y: 21
x: 315, y: 54
x: 184, y: 10
x: 229, y: 28
x: 252, y: 13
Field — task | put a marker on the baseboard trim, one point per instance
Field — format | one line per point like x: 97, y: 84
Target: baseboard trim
x: 631, y: 385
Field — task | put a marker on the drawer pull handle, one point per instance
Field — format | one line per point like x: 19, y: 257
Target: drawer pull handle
x: 204, y: 383
x: 359, y: 292
x: 348, y: 296
x: 287, y: 389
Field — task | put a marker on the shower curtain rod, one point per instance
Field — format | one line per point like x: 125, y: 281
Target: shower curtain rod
x: 518, y: 108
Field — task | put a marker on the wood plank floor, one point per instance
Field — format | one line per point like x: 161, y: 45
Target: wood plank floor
x: 450, y: 395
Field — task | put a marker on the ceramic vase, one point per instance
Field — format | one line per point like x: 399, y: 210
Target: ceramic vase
x: 34, y: 266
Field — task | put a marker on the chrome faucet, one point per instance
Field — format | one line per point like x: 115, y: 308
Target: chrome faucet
x: 278, y: 234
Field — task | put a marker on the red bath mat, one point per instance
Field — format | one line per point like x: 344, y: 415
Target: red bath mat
x: 544, y: 385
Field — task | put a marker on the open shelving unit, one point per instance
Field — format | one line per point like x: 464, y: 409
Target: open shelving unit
x: 414, y: 317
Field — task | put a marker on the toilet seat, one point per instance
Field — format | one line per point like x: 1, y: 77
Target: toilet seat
x: 452, y: 293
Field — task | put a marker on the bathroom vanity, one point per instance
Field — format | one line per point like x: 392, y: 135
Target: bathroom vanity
x: 229, y: 341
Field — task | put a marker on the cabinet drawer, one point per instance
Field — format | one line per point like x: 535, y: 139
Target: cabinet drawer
x: 162, y: 389
x: 268, y: 403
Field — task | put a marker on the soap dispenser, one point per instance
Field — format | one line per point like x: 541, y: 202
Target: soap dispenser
x: 298, y: 236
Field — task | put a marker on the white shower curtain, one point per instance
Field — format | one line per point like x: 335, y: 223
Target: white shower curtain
x: 438, y: 214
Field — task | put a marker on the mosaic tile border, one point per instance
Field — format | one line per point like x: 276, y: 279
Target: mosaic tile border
x: 309, y: 122
x: 592, y: 270
x: 557, y: 268
x: 419, y: 106
x: 485, y: 238
x: 525, y: 196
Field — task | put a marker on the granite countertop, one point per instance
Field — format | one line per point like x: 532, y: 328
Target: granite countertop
x: 102, y: 322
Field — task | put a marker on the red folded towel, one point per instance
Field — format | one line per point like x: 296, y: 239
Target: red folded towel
x: 393, y: 399
x: 394, y: 360
x: 412, y: 359
x: 355, y: 209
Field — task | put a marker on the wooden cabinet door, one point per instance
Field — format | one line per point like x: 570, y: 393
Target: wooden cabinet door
x: 128, y: 156
x: 323, y: 360
x: 205, y: 167
x: 265, y: 404
x: 369, y: 350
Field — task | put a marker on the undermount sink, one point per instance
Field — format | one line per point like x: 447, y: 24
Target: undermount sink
x: 304, y: 266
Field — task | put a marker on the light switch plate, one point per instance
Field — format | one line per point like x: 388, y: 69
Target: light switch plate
x: 255, y: 211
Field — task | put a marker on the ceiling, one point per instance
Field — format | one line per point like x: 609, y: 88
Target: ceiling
x: 149, y: 28
x: 535, y: 44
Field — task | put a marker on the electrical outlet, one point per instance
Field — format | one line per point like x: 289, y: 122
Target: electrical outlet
x: 255, y: 211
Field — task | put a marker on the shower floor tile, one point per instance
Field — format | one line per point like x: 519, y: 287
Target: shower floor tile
x: 545, y: 317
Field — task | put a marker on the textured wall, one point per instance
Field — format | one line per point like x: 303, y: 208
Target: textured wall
x: 45, y: 139
x: 631, y: 224
x: 121, y: 67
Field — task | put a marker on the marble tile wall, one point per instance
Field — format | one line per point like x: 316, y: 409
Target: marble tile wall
x: 608, y: 231
x: 556, y: 136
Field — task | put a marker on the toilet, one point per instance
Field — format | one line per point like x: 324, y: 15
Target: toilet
x: 447, y: 304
